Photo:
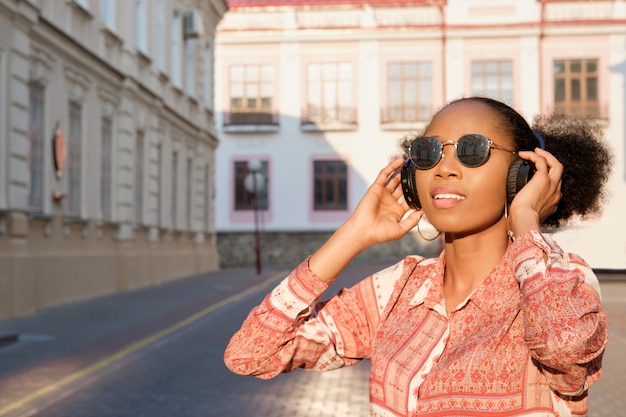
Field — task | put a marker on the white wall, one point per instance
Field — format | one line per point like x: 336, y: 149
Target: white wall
x: 367, y: 149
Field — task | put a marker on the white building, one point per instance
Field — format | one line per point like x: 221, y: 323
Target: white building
x: 127, y: 87
x: 321, y: 91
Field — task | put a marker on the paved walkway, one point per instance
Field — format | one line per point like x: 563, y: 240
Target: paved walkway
x: 158, y: 352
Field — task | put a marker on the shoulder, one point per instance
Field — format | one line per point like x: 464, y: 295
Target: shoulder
x: 404, y: 268
x: 411, y: 269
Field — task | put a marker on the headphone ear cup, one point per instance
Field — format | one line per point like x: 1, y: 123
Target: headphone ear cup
x: 409, y: 188
x: 520, y: 172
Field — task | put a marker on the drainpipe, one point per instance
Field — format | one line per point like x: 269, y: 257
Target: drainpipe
x: 540, y: 63
x: 440, y: 5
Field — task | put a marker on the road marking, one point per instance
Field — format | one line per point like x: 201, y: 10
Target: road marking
x: 133, y: 347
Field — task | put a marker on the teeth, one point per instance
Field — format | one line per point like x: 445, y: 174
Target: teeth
x: 454, y: 196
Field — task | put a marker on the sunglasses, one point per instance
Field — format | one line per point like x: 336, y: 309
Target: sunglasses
x: 471, y: 150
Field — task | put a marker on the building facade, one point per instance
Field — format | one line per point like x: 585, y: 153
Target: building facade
x: 107, y: 147
x: 321, y: 92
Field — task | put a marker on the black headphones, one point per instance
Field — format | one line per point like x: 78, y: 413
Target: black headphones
x: 520, y: 172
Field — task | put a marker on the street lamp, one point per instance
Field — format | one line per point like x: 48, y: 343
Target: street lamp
x: 254, y: 182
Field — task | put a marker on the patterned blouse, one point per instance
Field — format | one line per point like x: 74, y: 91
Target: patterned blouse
x: 528, y: 341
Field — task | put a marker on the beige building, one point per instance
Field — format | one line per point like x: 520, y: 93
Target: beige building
x: 107, y: 146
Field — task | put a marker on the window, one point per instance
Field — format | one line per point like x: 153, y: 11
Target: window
x: 108, y: 11
x: 208, y: 77
x: 409, y: 92
x: 160, y: 36
x: 244, y: 188
x: 141, y: 36
x: 189, y: 192
x: 74, y: 159
x: 177, y: 43
x: 190, y: 67
x: 84, y: 4
x: 174, y: 197
x: 251, y: 95
x: 576, y: 87
x: 36, y: 92
x: 106, y: 150
x: 159, y: 183
x: 330, y: 185
x: 139, y: 151
x: 329, y: 94
x: 207, y: 196
x: 493, y: 79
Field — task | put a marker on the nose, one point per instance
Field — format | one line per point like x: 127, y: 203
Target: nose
x: 448, y: 165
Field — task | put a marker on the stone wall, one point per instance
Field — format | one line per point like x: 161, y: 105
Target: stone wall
x: 287, y: 249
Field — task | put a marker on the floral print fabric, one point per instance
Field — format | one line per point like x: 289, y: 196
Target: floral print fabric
x: 527, y: 342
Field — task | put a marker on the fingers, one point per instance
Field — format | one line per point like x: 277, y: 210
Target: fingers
x: 546, y: 180
x: 391, y: 172
x: 544, y: 161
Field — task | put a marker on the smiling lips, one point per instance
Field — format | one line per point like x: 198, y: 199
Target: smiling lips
x: 444, y: 198
x: 448, y: 196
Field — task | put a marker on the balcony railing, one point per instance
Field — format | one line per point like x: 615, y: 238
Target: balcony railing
x: 317, y: 118
x: 250, y: 118
x: 591, y: 109
x: 404, y: 114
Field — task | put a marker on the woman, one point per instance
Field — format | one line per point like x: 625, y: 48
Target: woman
x: 504, y: 322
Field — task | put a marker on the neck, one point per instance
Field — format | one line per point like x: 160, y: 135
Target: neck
x: 469, y: 259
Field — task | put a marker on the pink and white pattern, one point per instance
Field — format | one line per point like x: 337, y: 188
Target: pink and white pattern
x: 527, y: 342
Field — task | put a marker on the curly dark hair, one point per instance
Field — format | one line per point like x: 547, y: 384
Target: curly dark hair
x: 577, y: 142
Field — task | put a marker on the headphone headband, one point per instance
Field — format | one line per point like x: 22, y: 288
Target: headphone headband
x: 542, y: 143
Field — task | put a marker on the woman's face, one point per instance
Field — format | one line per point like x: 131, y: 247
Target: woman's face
x: 458, y: 199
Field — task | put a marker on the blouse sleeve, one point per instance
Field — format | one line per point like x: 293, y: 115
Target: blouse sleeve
x: 565, y: 326
x: 290, y: 329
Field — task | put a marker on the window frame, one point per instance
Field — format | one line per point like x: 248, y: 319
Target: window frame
x: 345, y: 114
x: 486, y: 75
x: 174, y: 189
x: 585, y: 107
x: 159, y: 184
x: 37, y: 153
x: 176, y: 51
x: 337, y: 177
x: 141, y: 27
x: 243, y: 200
x: 189, y: 192
x: 75, y: 158
x: 161, y: 37
x: 422, y: 110
x: 108, y: 10
x: 106, y: 168
x: 191, y: 47
x: 263, y: 111
x: 83, y: 4
x: 209, y: 70
x: 139, y: 176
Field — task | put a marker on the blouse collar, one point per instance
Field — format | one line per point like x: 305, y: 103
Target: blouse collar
x: 497, y: 292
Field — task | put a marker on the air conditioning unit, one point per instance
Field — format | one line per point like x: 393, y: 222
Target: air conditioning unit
x: 192, y: 24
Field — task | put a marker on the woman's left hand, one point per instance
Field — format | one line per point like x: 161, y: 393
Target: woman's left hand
x: 539, y: 198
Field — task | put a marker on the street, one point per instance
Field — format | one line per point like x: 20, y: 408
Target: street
x: 158, y: 352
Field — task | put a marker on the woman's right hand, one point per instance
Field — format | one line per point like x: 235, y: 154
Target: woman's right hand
x: 381, y: 215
